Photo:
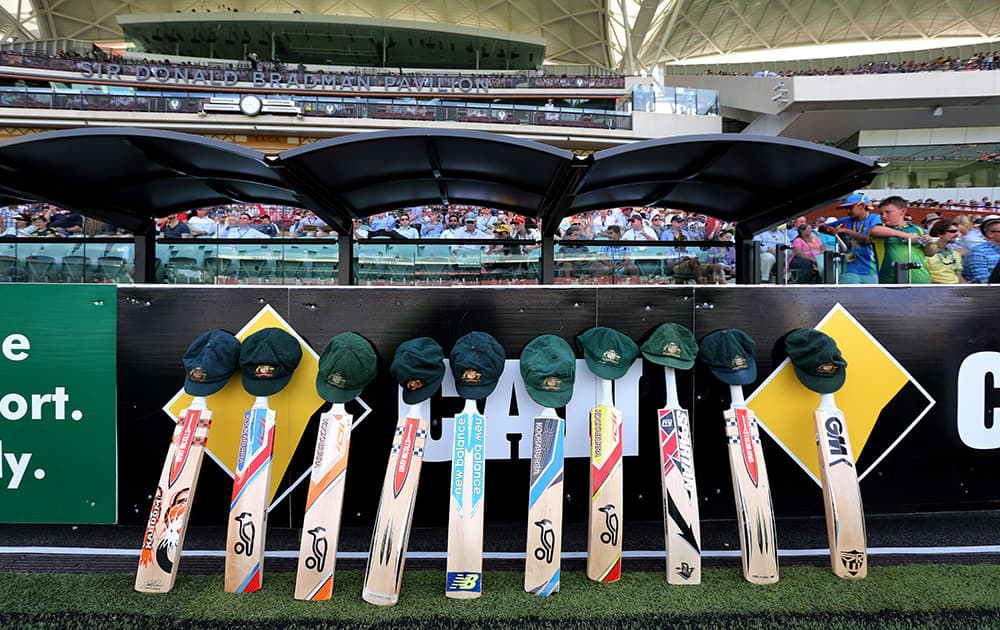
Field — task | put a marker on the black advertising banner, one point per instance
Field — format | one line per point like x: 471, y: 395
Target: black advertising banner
x: 920, y: 398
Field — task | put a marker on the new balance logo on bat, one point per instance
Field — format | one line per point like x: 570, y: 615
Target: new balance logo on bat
x: 836, y: 445
x: 464, y: 581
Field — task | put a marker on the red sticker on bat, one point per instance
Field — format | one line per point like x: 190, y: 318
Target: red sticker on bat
x: 405, y: 455
x: 746, y: 443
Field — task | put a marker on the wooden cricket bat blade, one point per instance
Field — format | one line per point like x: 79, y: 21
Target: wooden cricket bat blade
x: 324, y: 502
x: 752, y: 492
x: 164, y: 538
x: 248, y: 508
x: 384, y: 574
x: 464, y: 576
x: 545, y: 495
x: 845, y: 519
x: 682, y: 528
x: 604, y: 539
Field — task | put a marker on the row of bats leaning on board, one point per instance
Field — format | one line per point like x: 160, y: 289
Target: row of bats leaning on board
x: 268, y: 357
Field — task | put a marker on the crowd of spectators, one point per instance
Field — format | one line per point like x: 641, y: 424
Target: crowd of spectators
x: 985, y: 60
x: 874, y: 241
x: 944, y: 247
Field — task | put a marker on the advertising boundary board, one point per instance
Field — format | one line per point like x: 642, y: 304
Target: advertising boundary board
x: 930, y: 445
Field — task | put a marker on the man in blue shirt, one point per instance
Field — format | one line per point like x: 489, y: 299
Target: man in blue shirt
x: 859, y: 266
x: 983, y: 258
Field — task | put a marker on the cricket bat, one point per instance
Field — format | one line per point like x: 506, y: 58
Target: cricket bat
x: 682, y: 528
x: 545, y: 499
x: 604, y: 536
x: 465, y: 519
x: 752, y: 491
x: 248, y: 508
x: 845, y: 518
x: 164, y: 539
x: 384, y: 573
x: 321, y: 525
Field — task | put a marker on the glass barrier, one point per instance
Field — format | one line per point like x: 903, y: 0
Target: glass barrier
x: 68, y: 260
x: 247, y: 263
x: 375, y: 263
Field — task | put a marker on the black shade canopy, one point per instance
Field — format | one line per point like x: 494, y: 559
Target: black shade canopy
x: 129, y: 176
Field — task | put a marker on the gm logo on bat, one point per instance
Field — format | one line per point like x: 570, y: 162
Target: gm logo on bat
x: 464, y: 581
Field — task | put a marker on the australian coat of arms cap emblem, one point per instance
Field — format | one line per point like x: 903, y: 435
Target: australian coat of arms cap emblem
x: 414, y: 384
x: 551, y: 383
x: 671, y: 350
x: 264, y: 371
x: 198, y: 375
x: 337, y: 380
x: 471, y: 376
x: 611, y: 356
x: 827, y: 369
x: 739, y: 362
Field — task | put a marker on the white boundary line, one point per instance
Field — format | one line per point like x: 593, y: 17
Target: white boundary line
x: 504, y: 555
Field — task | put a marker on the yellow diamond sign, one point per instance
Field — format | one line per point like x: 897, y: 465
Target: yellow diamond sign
x: 293, y: 405
x: 784, y: 407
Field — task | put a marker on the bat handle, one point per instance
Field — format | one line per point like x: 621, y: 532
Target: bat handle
x: 470, y: 406
x: 338, y: 408
x: 260, y: 402
x: 736, y: 394
x: 827, y: 402
x: 606, y: 395
x: 198, y: 403
x: 673, y: 402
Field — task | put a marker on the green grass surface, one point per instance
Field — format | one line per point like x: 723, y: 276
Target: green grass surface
x: 919, y: 596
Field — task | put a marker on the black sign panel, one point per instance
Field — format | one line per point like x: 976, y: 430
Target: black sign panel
x: 944, y: 461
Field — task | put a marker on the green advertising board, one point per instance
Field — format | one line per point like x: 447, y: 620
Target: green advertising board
x: 57, y: 404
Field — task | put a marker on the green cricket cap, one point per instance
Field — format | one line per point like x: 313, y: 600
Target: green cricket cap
x: 728, y: 353
x: 477, y: 361
x: 816, y: 359
x: 548, y: 367
x: 418, y: 366
x: 210, y: 362
x: 671, y: 345
x: 608, y: 353
x: 268, y: 358
x: 347, y: 365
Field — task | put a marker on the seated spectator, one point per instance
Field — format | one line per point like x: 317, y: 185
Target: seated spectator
x: 309, y: 218
x: 202, y: 225
x: 432, y: 226
x: 983, y: 258
x: 722, y: 263
x: 807, y: 250
x: 359, y: 229
x: 66, y: 222
x: 678, y: 263
x: 265, y: 226
x: 638, y: 230
x: 174, y: 228
x: 42, y: 229
x: 243, y: 229
x: 572, y: 259
x: 403, y: 228
x: 22, y: 227
x: 469, y: 232
x: 945, y: 265
x: 615, y: 260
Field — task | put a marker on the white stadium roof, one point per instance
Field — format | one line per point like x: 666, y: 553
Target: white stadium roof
x: 626, y: 35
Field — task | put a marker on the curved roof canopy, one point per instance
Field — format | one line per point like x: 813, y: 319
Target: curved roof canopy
x: 630, y: 35
x: 129, y: 176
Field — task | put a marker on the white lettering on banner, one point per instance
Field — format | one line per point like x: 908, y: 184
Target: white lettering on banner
x: 15, y: 406
x: 15, y: 347
x: 973, y: 429
x: 499, y: 424
x: 18, y: 465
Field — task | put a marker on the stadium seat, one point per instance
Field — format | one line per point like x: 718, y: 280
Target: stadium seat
x: 8, y: 269
x: 39, y: 268
x: 76, y: 268
x: 184, y: 270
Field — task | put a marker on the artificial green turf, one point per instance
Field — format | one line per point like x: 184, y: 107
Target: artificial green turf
x: 918, y: 596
